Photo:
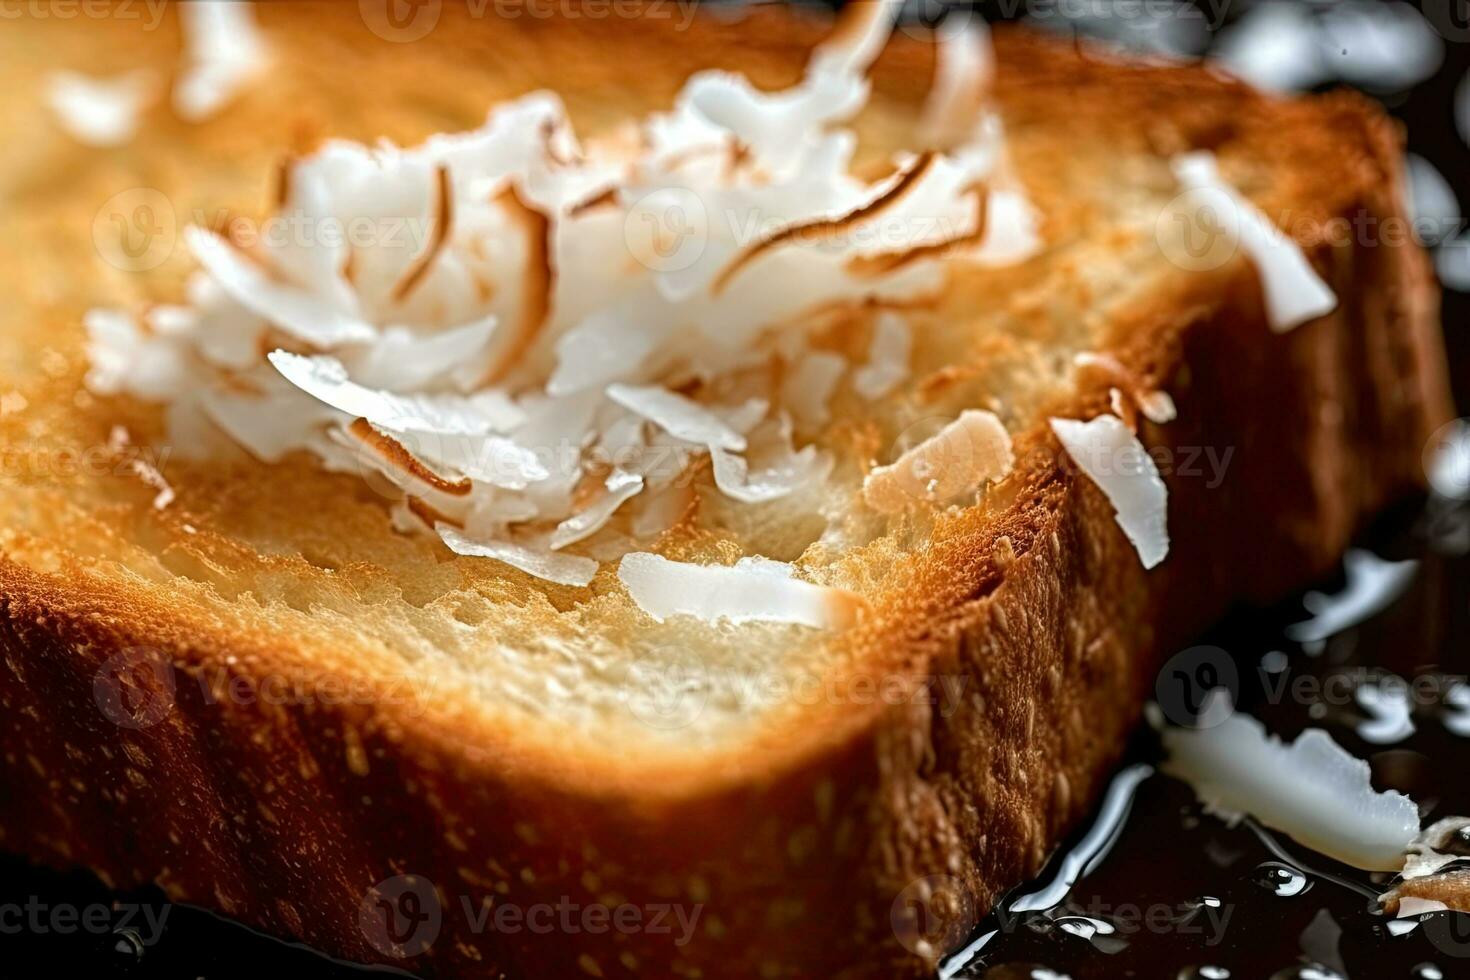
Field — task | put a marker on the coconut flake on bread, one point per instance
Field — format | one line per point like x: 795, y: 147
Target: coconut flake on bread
x: 523, y: 392
x: 1313, y: 789
x: 100, y: 111
x: 1294, y: 292
x: 968, y: 452
x: 1113, y: 458
x: 751, y: 590
x: 888, y: 357
x: 223, y: 52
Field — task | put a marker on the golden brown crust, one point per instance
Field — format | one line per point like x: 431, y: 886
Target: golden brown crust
x: 284, y: 805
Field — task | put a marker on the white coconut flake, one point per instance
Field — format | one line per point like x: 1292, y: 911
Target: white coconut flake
x: 305, y: 315
x: 325, y: 379
x: 403, y: 359
x: 963, y: 72
x: 619, y: 488
x: 100, y: 111
x: 551, y: 566
x: 888, y: 357
x: 1113, y: 458
x: 677, y: 415
x: 1373, y: 584
x: 1294, y: 292
x: 809, y: 385
x: 782, y: 473
x: 1312, y: 790
x: 752, y: 590
x: 223, y: 52
x: 966, y: 453
x: 1157, y: 406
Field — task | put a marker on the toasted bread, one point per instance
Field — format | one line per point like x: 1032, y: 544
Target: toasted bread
x: 268, y: 701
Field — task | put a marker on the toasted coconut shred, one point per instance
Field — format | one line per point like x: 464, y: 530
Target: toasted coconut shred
x: 526, y: 310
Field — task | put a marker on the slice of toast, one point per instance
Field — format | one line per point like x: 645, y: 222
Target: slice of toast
x: 268, y: 701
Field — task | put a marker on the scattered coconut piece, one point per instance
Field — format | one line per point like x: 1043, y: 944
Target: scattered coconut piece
x: 963, y: 74
x: 677, y: 415
x: 751, y: 590
x: 619, y: 488
x: 1441, y: 844
x: 1312, y: 790
x: 888, y: 357
x: 1113, y: 458
x: 548, y: 565
x: 1294, y: 292
x: 809, y: 385
x: 223, y: 52
x: 962, y: 456
x: 1156, y: 406
x: 100, y: 111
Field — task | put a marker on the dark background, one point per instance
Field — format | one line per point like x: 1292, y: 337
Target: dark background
x: 197, y: 944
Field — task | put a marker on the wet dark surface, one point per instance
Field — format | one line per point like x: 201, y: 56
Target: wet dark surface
x: 1181, y: 894
x: 1177, y: 894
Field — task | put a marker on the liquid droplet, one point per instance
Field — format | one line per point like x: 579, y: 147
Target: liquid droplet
x: 129, y: 944
x: 1427, y: 971
x: 1281, y: 880
x: 1204, y: 973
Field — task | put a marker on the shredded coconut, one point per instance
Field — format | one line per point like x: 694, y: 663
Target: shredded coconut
x: 533, y: 339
